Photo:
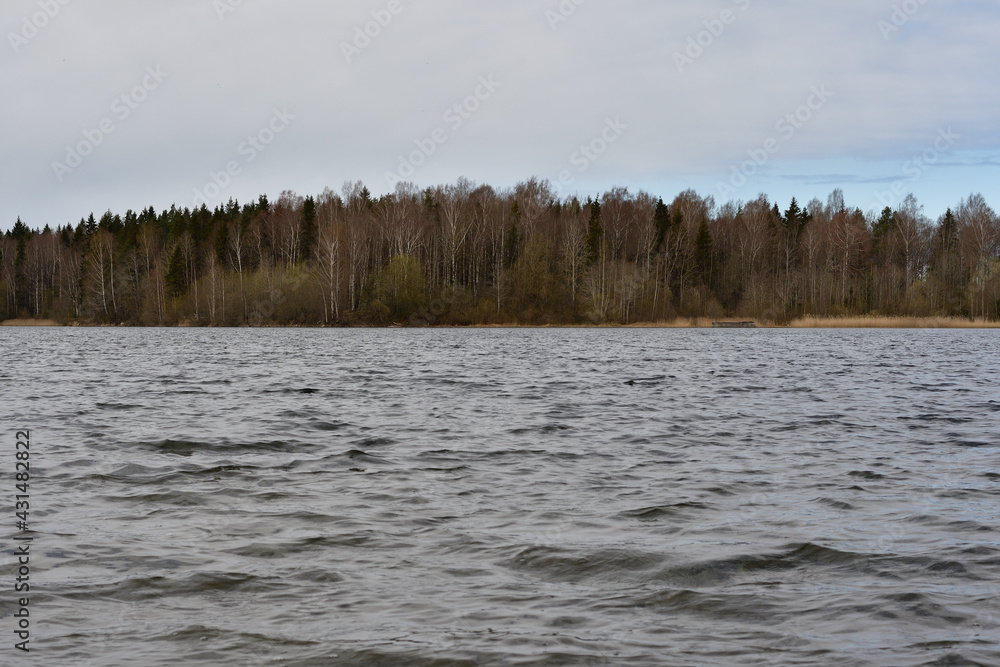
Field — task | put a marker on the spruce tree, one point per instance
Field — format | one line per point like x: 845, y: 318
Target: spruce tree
x: 221, y: 244
x: 881, y: 228
x: 19, y: 230
x: 661, y: 225
x: 20, y: 233
x: 308, y: 231
x: 793, y: 215
x: 595, y: 234
x: 703, y: 252
x: 947, y: 232
x: 176, y: 278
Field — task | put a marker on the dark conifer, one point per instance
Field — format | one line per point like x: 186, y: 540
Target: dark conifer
x: 307, y: 229
x: 595, y: 234
x: 703, y: 252
x: 176, y: 278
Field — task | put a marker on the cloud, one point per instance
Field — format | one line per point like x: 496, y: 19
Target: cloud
x: 561, y: 81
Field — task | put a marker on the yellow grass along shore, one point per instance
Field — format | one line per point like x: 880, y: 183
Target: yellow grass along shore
x: 810, y: 322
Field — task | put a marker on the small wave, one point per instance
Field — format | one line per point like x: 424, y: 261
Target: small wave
x: 866, y: 474
x: 658, y: 512
x: 188, y: 448
x: 562, y: 565
x: 373, y: 442
x: 360, y: 455
x: 327, y: 426
x: 144, y: 588
x: 834, y: 503
x: 651, y: 381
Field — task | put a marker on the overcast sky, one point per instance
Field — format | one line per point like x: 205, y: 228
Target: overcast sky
x: 730, y: 97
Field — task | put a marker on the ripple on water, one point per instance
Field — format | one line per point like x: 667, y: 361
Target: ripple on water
x: 493, y: 497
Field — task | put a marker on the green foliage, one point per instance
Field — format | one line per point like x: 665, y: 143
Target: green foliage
x: 402, y: 287
x: 176, y: 278
x: 535, y: 284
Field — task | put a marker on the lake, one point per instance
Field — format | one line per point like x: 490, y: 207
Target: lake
x: 505, y: 497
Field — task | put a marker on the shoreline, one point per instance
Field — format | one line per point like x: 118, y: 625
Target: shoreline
x: 810, y: 322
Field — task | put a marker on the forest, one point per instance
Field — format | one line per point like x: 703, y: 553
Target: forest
x: 467, y: 254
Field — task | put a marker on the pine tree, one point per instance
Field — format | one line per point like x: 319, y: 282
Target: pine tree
x: 595, y: 234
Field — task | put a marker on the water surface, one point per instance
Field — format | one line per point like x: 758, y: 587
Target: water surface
x: 508, y: 497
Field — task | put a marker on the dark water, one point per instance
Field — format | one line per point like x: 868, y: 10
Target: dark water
x: 269, y: 497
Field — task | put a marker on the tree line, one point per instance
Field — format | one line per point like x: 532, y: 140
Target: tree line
x: 465, y: 254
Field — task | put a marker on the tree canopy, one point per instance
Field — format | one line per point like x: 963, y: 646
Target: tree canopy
x: 467, y: 253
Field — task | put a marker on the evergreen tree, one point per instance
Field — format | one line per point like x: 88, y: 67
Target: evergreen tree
x: 595, y: 234
x: 19, y: 230
x: 792, y: 214
x: 796, y: 219
x: 661, y: 225
x: 575, y: 206
x: 880, y: 229
x: 176, y: 278
x: 948, y: 232
x: 80, y: 234
x: 221, y: 244
x: 308, y: 231
x: 703, y: 252
x: 20, y: 233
